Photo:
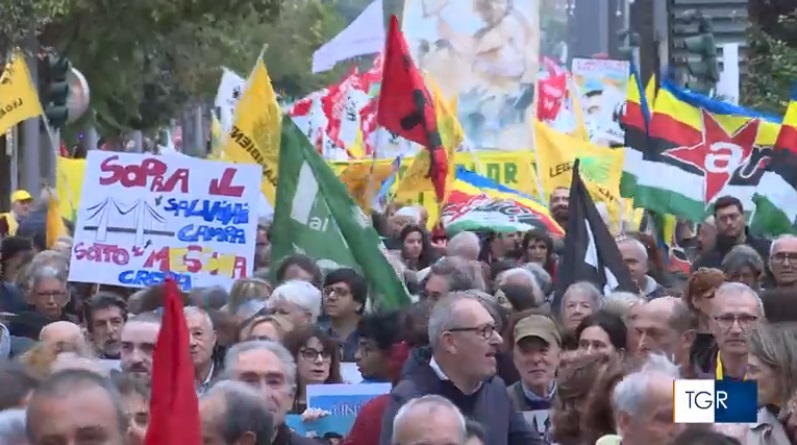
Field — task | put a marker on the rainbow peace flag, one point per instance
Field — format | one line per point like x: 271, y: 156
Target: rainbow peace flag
x: 479, y: 203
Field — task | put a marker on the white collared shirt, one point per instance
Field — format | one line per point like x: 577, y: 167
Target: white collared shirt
x: 442, y: 375
x: 201, y: 388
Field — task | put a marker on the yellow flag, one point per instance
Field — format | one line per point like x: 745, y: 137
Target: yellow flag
x: 416, y: 179
x: 18, y: 98
x: 363, y: 179
x: 215, y: 138
x: 255, y: 137
x: 55, y: 224
x: 650, y: 92
x: 601, y: 167
x: 580, y: 132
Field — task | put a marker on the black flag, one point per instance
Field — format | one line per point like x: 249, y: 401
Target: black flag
x: 590, y: 252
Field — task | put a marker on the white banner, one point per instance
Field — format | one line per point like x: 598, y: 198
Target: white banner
x: 143, y: 218
x: 365, y: 35
x: 230, y: 89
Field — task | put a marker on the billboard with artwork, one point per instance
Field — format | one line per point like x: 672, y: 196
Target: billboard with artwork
x: 485, y: 54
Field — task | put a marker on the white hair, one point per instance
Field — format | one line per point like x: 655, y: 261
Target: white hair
x: 535, y: 281
x: 784, y: 237
x: 193, y: 310
x: 42, y: 272
x: 740, y: 288
x: 629, y: 395
x: 301, y: 293
x: 587, y: 288
x: 12, y: 426
x: 246, y: 411
x: 464, y: 244
x: 517, y: 272
x: 410, y: 212
x: 620, y: 303
x: 444, y: 316
x: 626, y: 297
x: 638, y: 245
x: 429, y: 404
x: 284, y: 356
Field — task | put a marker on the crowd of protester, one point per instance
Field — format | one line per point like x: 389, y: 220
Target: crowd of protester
x: 481, y: 356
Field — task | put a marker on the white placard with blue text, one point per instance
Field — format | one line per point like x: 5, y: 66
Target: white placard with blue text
x: 144, y: 217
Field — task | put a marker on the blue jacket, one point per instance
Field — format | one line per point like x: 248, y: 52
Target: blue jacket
x: 493, y: 408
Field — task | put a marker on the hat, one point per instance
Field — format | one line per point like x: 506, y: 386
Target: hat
x: 21, y: 195
x: 538, y: 326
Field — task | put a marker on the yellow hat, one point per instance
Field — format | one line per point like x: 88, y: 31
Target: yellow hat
x: 21, y: 195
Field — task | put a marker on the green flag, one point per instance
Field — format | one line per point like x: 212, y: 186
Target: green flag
x: 314, y: 215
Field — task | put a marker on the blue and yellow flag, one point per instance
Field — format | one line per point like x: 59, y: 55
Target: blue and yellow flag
x: 479, y: 203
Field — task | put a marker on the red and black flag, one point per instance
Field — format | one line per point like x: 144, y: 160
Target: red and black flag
x: 407, y: 108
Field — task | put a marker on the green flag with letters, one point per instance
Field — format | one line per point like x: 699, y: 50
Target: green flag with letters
x: 315, y: 215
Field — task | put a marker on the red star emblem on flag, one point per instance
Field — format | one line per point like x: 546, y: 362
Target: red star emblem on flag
x: 719, y: 154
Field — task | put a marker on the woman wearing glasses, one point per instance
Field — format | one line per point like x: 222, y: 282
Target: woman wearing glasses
x: 317, y: 358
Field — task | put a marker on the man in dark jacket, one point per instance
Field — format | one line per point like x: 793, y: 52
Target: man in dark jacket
x: 463, y: 369
x: 731, y: 230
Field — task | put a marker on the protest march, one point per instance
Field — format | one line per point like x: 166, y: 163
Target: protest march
x: 462, y: 241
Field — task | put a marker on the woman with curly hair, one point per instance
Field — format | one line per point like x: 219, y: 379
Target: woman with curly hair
x: 577, y: 371
x: 537, y: 247
x: 699, y: 295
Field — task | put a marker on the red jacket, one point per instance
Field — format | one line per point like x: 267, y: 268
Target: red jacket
x: 368, y: 424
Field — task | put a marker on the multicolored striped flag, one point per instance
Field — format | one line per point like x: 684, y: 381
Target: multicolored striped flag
x: 776, y: 196
x: 479, y: 203
x: 696, y: 150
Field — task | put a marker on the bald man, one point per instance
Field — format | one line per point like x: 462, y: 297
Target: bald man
x: 431, y: 420
x: 666, y: 326
x: 62, y: 336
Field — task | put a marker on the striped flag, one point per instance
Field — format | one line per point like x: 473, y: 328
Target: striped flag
x: 696, y: 150
x: 776, y: 195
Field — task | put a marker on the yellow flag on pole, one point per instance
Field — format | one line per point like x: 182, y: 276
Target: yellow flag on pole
x: 255, y: 137
x: 18, y: 98
x: 55, y: 224
x: 215, y: 138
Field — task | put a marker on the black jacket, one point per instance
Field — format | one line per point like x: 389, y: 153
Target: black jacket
x: 491, y: 407
x: 713, y: 256
x: 11, y: 299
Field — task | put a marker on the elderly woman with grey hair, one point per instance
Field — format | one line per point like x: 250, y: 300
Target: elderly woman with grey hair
x: 743, y: 264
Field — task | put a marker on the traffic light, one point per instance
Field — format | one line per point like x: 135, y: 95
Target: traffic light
x: 628, y: 42
x: 54, y: 89
x: 699, y: 62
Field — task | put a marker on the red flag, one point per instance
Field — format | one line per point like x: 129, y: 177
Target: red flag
x: 406, y: 107
x: 173, y: 406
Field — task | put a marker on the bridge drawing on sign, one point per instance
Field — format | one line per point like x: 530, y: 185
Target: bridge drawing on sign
x: 138, y: 218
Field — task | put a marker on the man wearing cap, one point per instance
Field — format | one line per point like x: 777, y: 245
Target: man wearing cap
x: 21, y: 202
x: 537, y: 344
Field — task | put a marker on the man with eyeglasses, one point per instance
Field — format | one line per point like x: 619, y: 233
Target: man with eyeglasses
x: 732, y: 230
x: 269, y: 368
x: 736, y: 308
x: 783, y: 261
x: 462, y: 369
